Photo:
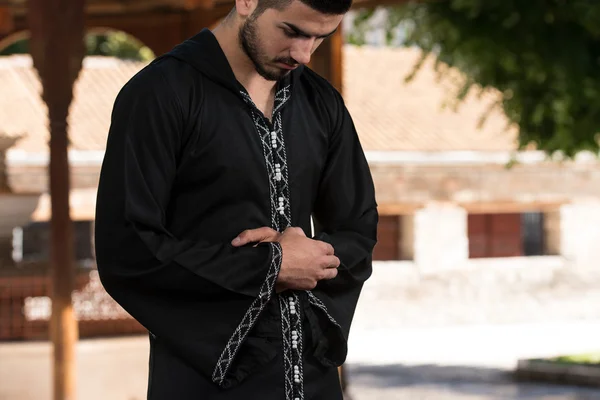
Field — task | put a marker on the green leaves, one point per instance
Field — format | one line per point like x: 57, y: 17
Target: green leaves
x: 108, y: 43
x: 117, y: 44
x: 361, y: 26
x: 543, y: 56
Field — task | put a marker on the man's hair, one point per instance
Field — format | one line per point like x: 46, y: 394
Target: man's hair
x: 330, y: 7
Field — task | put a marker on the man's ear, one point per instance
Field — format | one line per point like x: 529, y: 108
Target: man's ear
x: 245, y: 8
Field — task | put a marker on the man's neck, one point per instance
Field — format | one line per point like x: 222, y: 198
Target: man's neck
x: 244, y: 70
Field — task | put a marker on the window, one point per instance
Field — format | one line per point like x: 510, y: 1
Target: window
x: 532, y: 232
x: 35, y: 241
x: 506, y: 235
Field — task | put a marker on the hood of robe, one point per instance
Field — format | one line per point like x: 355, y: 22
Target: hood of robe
x: 204, y: 53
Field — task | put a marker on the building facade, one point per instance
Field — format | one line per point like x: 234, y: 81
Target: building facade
x: 445, y: 192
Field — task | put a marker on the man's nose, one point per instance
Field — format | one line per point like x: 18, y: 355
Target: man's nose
x: 302, y: 51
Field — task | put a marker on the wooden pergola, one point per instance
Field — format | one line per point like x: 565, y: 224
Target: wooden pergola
x: 158, y: 24
x: 56, y: 29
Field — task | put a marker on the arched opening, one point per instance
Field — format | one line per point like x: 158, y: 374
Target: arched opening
x: 98, y: 41
x: 16, y: 43
x: 115, y: 43
x: 107, y: 68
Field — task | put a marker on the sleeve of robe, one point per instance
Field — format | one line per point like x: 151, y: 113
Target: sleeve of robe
x: 346, y: 217
x: 201, y: 299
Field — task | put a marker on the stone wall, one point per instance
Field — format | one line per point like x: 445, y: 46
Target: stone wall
x: 483, y: 291
x: 434, y: 201
x: 416, y: 185
x: 535, y: 184
x: 436, y: 236
x: 26, y: 179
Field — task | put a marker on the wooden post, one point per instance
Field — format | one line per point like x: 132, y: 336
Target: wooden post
x: 336, y: 49
x: 6, y: 22
x: 57, y: 49
x: 327, y: 60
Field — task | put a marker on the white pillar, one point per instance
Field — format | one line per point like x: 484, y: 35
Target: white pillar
x: 580, y: 233
x: 440, y: 237
x: 407, y: 237
x: 552, y: 232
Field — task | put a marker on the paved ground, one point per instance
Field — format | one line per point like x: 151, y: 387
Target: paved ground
x: 434, y: 382
x: 448, y: 336
x: 494, y: 346
x: 116, y: 369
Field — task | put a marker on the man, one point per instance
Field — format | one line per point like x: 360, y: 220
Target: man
x: 218, y: 156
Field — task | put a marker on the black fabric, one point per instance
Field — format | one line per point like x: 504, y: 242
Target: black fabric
x: 183, y: 174
x: 171, y: 378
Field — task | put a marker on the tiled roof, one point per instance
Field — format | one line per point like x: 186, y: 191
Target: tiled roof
x: 388, y: 113
x: 23, y: 113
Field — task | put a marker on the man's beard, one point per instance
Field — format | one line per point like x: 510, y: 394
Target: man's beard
x: 251, y: 46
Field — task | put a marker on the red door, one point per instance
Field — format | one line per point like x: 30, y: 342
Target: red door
x: 495, y: 235
x: 388, y: 238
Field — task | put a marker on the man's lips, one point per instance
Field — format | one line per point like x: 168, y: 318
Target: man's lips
x: 286, y: 66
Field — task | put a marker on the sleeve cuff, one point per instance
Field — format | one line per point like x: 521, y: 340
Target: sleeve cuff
x: 330, y: 345
x: 223, y: 374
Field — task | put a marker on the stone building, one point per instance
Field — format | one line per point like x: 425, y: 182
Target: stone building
x: 444, y: 191
x: 443, y: 186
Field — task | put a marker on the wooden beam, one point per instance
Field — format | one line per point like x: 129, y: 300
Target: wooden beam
x: 197, y: 4
x: 336, y: 47
x: 6, y: 21
x: 398, y: 209
x: 505, y: 207
x: 136, y: 6
x: 493, y: 207
x: 327, y: 60
x: 116, y: 7
x: 100, y: 7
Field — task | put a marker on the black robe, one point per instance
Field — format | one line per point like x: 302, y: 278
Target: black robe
x: 190, y: 163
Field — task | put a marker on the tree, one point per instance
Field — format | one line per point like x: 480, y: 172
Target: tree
x: 543, y: 56
x: 117, y: 44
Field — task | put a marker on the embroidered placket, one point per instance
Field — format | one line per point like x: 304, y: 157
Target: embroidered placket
x: 274, y: 152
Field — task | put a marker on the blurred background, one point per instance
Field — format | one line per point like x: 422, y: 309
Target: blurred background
x: 480, y: 122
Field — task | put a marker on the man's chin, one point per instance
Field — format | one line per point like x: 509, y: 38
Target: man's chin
x: 275, y: 74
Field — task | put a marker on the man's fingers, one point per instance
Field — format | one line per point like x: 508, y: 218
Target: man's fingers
x: 254, y: 235
x: 335, y: 262
x: 330, y: 262
x: 296, y: 230
x: 328, y: 249
x: 330, y: 266
x: 329, y: 273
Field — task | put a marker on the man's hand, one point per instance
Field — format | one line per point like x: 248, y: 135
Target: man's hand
x: 305, y: 261
x: 259, y: 235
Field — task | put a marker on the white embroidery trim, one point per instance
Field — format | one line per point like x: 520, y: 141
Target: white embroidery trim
x: 249, y: 319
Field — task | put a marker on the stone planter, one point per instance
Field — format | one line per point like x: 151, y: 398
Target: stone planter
x: 16, y: 210
x: 558, y: 372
